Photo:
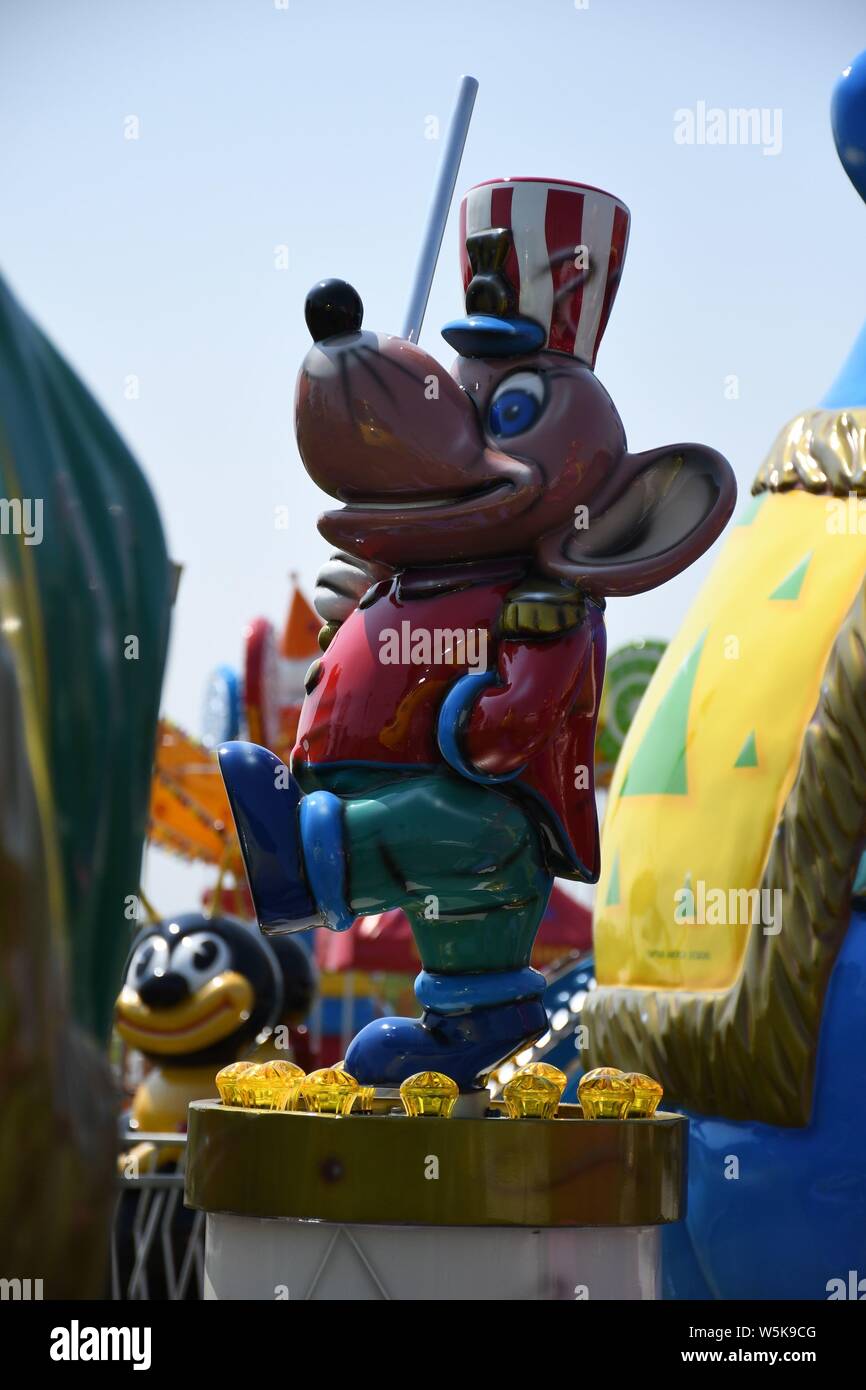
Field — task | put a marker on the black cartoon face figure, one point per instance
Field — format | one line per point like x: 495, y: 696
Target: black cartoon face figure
x: 198, y: 990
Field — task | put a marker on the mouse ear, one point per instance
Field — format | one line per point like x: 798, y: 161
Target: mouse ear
x: 675, y: 504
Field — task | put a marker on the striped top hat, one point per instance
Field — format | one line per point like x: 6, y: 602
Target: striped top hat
x: 541, y: 261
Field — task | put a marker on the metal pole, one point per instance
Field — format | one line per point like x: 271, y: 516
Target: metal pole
x: 440, y: 208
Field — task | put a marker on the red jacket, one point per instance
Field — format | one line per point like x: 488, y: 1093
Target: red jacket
x: 378, y: 690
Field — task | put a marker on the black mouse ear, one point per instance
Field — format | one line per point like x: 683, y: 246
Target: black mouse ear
x: 677, y: 502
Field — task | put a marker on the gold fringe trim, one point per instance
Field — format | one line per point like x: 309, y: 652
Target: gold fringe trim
x: 821, y: 451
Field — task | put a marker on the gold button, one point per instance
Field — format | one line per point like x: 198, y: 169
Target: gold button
x: 329, y: 1091
x: 529, y: 1097
x: 227, y: 1082
x: 429, y: 1093
x: 605, y: 1094
x: 647, y: 1095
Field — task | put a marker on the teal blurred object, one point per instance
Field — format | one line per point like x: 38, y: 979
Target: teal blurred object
x: 85, y: 614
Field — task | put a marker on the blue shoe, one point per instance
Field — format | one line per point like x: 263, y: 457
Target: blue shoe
x: 465, y: 1046
x: 265, y: 798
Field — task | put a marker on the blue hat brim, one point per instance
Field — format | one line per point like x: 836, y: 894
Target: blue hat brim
x: 483, y: 335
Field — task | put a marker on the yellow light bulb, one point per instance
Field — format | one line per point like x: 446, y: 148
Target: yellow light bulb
x: 329, y: 1091
x: 227, y: 1082
x: 268, y: 1085
x: 429, y: 1093
x: 251, y: 1086
x: 647, y: 1095
x: 281, y: 1081
x: 545, y: 1069
x: 531, y: 1097
x: 605, y: 1094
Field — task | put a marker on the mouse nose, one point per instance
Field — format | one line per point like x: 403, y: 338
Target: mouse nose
x: 161, y: 991
x: 333, y: 307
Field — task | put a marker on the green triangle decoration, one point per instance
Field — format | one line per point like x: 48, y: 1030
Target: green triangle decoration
x: 751, y: 510
x: 748, y: 754
x: 659, y: 765
x: 612, y: 899
x: 790, y: 586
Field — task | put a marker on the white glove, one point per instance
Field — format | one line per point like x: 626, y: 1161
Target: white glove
x: 341, y: 584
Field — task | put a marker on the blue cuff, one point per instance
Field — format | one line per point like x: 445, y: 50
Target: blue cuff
x: 458, y: 994
x: 452, y: 717
x: 321, y: 817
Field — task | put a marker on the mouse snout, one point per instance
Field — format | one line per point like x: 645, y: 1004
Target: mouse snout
x: 332, y: 308
x: 376, y: 417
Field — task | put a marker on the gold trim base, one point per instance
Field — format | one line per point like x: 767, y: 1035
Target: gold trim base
x: 385, y: 1169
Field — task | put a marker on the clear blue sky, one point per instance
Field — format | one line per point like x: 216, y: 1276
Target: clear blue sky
x: 304, y: 126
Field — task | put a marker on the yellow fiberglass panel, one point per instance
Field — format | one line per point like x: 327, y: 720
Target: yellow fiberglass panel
x: 714, y: 747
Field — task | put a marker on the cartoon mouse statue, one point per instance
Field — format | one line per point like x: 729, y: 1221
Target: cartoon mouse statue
x: 443, y: 761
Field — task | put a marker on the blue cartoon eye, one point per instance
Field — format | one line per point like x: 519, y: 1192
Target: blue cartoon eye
x: 516, y: 405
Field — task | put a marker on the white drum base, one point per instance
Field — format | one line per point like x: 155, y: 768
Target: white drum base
x: 252, y: 1258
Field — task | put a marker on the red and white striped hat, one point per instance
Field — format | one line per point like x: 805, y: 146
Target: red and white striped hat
x: 567, y: 291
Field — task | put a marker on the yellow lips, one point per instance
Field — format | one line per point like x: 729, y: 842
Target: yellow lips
x: 210, y: 1014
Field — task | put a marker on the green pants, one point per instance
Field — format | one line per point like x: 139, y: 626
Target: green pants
x: 463, y: 861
